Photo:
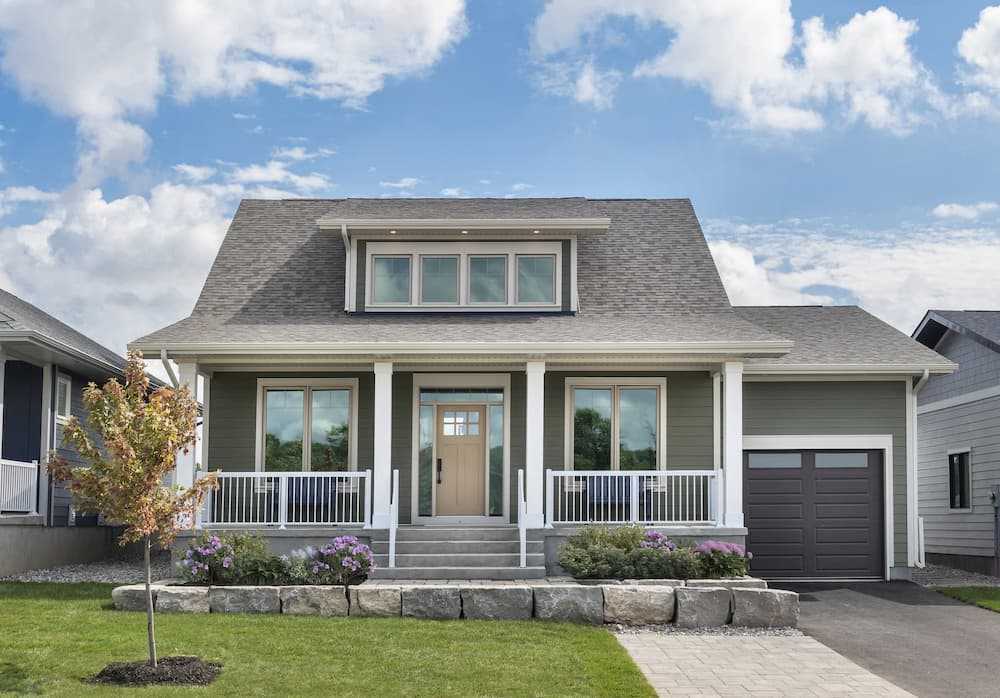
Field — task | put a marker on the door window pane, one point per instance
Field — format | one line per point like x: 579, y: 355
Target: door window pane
x: 330, y: 414
x: 857, y: 459
x: 592, y: 428
x: 426, y: 458
x: 775, y: 460
x: 637, y: 418
x: 959, y: 480
x: 536, y: 277
x: 439, y: 280
x: 284, y: 414
x: 488, y: 279
x: 392, y: 279
x: 495, y: 417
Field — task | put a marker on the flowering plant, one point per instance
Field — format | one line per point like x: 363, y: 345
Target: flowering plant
x: 344, y: 560
x: 722, y: 559
x: 208, y: 560
x: 657, y: 541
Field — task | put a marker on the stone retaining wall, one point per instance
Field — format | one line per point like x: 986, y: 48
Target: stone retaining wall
x: 696, y: 603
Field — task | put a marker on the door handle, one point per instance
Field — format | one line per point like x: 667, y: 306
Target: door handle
x: 439, y: 471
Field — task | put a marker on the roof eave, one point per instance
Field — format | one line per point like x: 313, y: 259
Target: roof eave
x: 850, y: 369
x: 577, y: 224
x: 35, y: 337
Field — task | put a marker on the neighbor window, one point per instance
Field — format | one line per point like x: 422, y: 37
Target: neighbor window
x: 63, y: 407
x: 392, y: 280
x: 616, y: 427
x: 307, y: 428
x: 959, y: 480
x: 439, y: 280
x: 536, y: 279
x: 488, y: 279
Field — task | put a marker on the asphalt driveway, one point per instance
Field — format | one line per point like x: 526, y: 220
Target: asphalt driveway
x: 918, y: 639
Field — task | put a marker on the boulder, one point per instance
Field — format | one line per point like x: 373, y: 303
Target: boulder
x: 182, y: 600
x: 132, y: 597
x: 314, y: 600
x: 381, y: 601
x: 655, y: 582
x: 703, y: 607
x: 497, y: 602
x: 638, y: 605
x: 569, y: 602
x: 730, y: 583
x: 765, y: 608
x: 437, y: 602
x: 244, y: 599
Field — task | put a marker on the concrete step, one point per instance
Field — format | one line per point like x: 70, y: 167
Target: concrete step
x: 453, y: 547
x: 445, y: 573
x: 467, y: 533
x: 461, y: 560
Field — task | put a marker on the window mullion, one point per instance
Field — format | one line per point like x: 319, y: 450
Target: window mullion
x: 615, y: 427
x: 307, y: 429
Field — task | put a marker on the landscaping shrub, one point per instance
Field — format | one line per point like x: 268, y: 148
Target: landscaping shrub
x: 344, y: 560
x: 721, y: 559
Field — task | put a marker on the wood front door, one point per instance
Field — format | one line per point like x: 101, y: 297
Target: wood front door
x: 461, y: 467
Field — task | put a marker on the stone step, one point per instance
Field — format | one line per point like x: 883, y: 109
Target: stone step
x: 460, y: 560
x: 445, y: 534
x: 452, y: 547
x: 490, y: 573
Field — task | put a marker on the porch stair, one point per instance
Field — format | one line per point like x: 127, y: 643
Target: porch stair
x: 438, y: 553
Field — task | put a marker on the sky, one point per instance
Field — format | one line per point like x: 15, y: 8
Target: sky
x: 835, y: 152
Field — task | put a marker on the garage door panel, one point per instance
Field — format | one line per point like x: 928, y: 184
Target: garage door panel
x: 816, y: 522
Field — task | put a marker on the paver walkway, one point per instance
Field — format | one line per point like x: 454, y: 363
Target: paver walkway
x: 679, y: 664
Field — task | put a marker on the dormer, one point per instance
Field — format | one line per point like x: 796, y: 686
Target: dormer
x: 462, y: 265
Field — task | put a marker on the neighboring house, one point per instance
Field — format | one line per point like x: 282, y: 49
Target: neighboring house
x: 959, y: 441
x: 459, y: 373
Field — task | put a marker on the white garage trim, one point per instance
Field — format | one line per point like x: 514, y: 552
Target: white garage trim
x: 838, y: 442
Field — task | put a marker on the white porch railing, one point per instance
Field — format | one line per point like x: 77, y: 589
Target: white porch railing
x: 651, y: 497
x: 393, y: 517
x: 522, y: 519
x: 18, y: 487
x: 276, y: 499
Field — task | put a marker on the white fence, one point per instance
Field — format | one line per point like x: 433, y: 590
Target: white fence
x: 651, y: 497
x: 289, y: 499
x: 18, y: 487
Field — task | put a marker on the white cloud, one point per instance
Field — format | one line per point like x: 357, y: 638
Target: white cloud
x: 240, y: 116
x: 979, y: 48
x: 402, y: 183
x: 12, y: 197
x: 298, y: 153
x: 275, y: 171
x: 194, y: 173
x: 752, y: 61
x: 453, y: 192
x: 105, y: 63
x: 895, y: 274
x: 486, y: 181
x: 969, y: 212
x: 521, y: 186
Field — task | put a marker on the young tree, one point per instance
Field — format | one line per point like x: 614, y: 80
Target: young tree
x: 140, y: 433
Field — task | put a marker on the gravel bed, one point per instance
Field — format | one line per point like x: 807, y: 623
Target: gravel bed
x: 108, y: 571
x: 723, y: 630
x: 941, y: 576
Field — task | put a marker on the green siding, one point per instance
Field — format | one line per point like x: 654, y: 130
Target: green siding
x: 232, y: 420
x: 850, y: 407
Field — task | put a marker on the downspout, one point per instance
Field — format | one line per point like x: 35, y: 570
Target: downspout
x: 348, y: 267
x: 169, y: 369
x: 917, y: 387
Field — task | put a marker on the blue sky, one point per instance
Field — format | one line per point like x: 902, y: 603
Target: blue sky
x: 835, y: 152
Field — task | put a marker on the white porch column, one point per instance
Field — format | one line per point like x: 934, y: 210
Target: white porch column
x: 47, y: 435
x: 732, y: 454
x: 184, y: 471
x: 206, y: 394
x: 382, y: 474
x: 3, y: 367
x: 534, y: 471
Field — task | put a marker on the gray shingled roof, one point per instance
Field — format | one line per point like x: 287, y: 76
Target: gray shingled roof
x: 839, y: 335
x: 985, y: 323
x: 279, y: 278
x: 18, y: 316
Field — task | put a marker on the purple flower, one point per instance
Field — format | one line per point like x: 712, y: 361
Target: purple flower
x: 710, y: 547
x: 227, y: 562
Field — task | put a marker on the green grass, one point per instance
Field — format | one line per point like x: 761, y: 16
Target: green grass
x: 986, y: 597
x: 54, y: 635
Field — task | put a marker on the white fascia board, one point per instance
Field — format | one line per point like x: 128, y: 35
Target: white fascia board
x: 51, y: 344
x: 818, y: 369
x: 465, y: 223
x: 451, y: 348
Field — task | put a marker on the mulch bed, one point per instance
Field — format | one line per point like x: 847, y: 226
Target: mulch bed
x: 169, y: 670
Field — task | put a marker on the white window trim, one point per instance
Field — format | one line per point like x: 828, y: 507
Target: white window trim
x: 951, y: 452
x: 611, y: 382
x: 263, y: 384
x: 416, y: 250
x: 458, y: 280
x: 63, y: 379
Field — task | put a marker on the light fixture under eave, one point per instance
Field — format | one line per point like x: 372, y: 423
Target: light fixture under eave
x: 535, y: 232
x: 465, y: 232
x: 392, y: 232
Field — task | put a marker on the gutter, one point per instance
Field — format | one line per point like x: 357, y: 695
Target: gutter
x: 47, y: 342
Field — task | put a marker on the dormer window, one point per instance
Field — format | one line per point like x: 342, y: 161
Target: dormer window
x: 391, y: 282
x: 536, y: 279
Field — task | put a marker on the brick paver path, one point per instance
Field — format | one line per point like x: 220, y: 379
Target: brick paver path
x: 725, y: 665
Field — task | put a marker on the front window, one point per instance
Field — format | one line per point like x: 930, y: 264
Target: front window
x: 536, y: 279
x: 488, y: 279
x: 616, y: 427
x: 959, y: 480
x: 392, y: 280
x: 317, y: 416
x: 439, y: 280
x: 63, y: 407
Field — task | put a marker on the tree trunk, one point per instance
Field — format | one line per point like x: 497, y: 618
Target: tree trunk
x: 150, y: 630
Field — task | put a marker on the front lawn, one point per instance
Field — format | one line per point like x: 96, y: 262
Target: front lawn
x: 54, y: 635
x: 986, y: 597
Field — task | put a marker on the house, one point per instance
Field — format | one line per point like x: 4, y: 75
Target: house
x: 959, y: 441
x: 44, y: 366
x: 463, y: 382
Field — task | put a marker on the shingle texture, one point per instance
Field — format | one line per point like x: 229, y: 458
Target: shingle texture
x: 279, y: 278
x: 838, y: 335
x: 985, y: 323
x: 18, y: 315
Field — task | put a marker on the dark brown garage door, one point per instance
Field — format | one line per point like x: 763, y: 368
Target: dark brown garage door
x: 814, y: 514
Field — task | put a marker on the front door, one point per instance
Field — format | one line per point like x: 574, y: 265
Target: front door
x: 461, y: 460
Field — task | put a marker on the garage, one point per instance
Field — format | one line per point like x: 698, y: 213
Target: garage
x: 815, y: 514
